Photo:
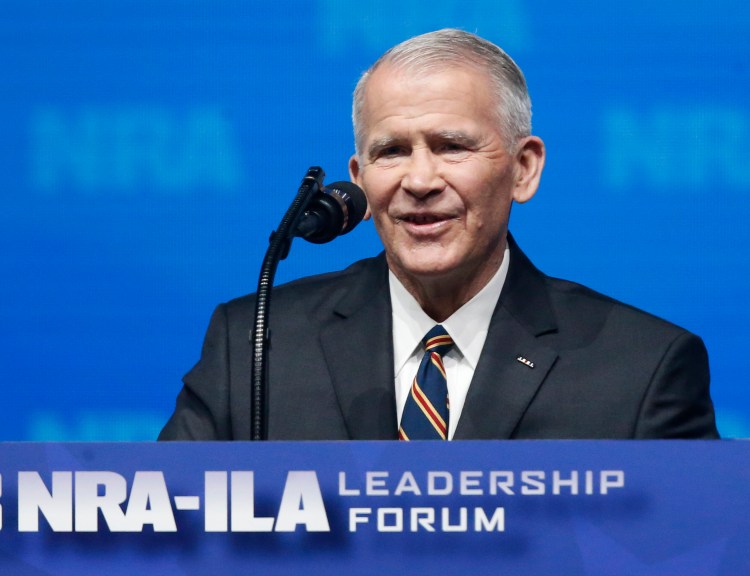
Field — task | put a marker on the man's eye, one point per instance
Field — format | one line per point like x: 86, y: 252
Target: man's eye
x: 452, y: 147
x: 390, y: 152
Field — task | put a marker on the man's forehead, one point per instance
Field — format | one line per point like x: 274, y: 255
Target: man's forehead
x: 399, y: 93
x: 467, y: 85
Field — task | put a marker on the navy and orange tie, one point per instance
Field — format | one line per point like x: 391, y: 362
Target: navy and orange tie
x: 425, y: 415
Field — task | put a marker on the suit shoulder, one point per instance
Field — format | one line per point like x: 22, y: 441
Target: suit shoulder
x: 572, y: 313
x: 588, y: 312
x: 311, y: 290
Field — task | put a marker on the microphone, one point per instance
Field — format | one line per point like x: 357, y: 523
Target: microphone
x: 333, y: 211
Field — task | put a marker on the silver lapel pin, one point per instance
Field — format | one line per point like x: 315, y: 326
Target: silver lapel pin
x: 523, y: 360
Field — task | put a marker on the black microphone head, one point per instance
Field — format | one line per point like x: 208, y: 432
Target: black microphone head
x: 333, y: 211
x: 356, y: 202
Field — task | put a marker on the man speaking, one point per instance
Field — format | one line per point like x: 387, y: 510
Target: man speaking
x: 452, y: 333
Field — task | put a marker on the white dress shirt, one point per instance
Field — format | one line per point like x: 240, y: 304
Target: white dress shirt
x: 467, y: 327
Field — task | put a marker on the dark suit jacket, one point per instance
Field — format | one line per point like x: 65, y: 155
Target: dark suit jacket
x: 601, y: 369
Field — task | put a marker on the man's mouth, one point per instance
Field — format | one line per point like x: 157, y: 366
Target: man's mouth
x: 423, y: 218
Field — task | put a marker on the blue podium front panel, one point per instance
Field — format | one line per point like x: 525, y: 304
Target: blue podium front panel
x: 552, y: 507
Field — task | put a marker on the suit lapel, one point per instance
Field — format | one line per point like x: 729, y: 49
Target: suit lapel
x: 357, y: 344
x: 514, y: 362
x: 358, y: 348
x: 503, y: 386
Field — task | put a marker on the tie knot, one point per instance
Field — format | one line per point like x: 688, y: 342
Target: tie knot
x: 437, y: 340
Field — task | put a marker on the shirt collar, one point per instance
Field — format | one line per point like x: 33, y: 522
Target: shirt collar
x: 467, y: 326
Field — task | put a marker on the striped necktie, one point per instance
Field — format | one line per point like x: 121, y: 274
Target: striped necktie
x: 425, y: 415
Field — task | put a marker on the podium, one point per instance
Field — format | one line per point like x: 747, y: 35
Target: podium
x: 479, y: 507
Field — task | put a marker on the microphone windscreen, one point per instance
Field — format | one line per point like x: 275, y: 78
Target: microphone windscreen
x: 356, y: 202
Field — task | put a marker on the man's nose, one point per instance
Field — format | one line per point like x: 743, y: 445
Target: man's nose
x: 422, y: 175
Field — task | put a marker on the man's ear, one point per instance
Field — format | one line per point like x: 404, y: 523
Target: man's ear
x: 529, y: 159
x: 355, y: 176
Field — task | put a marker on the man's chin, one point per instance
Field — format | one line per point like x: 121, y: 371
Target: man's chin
x: 426, y: 268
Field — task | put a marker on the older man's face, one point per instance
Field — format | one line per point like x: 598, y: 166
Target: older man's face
x: 437, y: 173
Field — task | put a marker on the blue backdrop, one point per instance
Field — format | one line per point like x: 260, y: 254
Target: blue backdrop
x: 149, y: 148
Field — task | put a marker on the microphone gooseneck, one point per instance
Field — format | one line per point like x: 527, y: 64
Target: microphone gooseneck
x: 319, y: 215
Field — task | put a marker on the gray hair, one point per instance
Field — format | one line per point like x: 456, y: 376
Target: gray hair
x: 436, y: 50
